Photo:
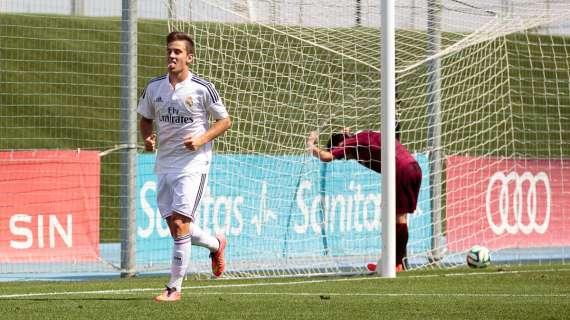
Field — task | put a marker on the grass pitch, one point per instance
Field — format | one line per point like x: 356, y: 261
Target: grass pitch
x: 498, y: 292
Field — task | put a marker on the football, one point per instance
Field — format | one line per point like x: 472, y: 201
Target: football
x: 478, y: 257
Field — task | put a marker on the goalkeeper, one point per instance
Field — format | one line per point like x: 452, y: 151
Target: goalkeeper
x: 365, y: 147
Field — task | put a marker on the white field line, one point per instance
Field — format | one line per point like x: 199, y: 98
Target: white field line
x: 328, y: 294
x: 303, y: 282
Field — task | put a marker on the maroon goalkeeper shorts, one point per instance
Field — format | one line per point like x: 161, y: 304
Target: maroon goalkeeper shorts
x: 408, y: 182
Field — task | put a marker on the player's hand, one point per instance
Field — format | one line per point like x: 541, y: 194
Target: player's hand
x: 150, y: 143
x: 194, y: 143
x: 313, y: 136
x: 345, y: 131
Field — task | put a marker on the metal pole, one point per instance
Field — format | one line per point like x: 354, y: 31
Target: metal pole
x: 413, y: 15
x: 128, y: 136
x: 301, y: 7
x: 388, y: 77
x: 273, y: 9
x: 251, y: 11
x: 434, y: 124
x: 77, y: 7
x: 358, y: 13
x: 323, y: 223
x: 171, y: 9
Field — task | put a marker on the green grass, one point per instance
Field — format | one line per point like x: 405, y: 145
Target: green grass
x: 498, y: 292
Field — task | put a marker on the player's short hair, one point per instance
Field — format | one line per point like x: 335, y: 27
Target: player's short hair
x: 335, y: 140
x: 181, y: 36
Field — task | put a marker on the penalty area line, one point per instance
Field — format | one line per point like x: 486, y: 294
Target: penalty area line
x: 322, y: 295
x: 372, y: 294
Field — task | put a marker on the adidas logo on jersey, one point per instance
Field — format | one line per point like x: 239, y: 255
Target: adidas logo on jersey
x: 159, y: 99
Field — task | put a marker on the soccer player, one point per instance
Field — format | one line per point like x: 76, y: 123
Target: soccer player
x: 180, y: 103
x: 365, y: 147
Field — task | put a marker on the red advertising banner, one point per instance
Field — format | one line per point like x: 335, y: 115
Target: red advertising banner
x: 507, y: 203
x: 49, y: 206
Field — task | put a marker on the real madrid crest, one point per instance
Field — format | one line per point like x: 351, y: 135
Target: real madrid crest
x: 188, y: 103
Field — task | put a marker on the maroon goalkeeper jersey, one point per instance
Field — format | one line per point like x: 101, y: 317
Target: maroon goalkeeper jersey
x: 367, y: 145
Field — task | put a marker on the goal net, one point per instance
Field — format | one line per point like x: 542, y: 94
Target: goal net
x: 497, y: 76
x: 483, y: 104
x: 483, y: 97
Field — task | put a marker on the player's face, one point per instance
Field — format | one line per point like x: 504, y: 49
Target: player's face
x: 177, y: 56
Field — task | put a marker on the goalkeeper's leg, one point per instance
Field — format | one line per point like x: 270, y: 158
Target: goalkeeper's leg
x: 401, y: 241
x: 401, y: 244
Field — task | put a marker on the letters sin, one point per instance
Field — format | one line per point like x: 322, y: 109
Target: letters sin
x: 507, y: 203
x: 49, y: 206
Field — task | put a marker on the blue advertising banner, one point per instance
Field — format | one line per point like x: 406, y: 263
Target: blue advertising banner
x: 281, y: 207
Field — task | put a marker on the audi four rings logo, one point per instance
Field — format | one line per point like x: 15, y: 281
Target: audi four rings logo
x: 512, y: 207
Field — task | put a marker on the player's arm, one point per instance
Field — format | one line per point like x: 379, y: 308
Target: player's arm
x: 148, y: 136
x: 317, y: 152
x: 218, y: 128
x: 397, y: 115
x: 146, y: 110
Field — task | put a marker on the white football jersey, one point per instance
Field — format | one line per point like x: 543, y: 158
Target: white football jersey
x: 181, y: 112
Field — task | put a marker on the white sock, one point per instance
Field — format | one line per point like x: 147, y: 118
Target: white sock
x: 203, y: 239
x: 179, y: 263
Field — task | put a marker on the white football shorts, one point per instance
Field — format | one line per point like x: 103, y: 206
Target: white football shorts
x: 180, y: 193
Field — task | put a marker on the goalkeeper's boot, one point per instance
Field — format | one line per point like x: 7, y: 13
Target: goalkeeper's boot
x: 405, y: 263
x: 218, y: 263
x: 399, y: 267
x: 168, y: 295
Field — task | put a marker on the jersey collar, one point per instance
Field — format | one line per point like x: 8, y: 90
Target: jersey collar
x: 183, y: 83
